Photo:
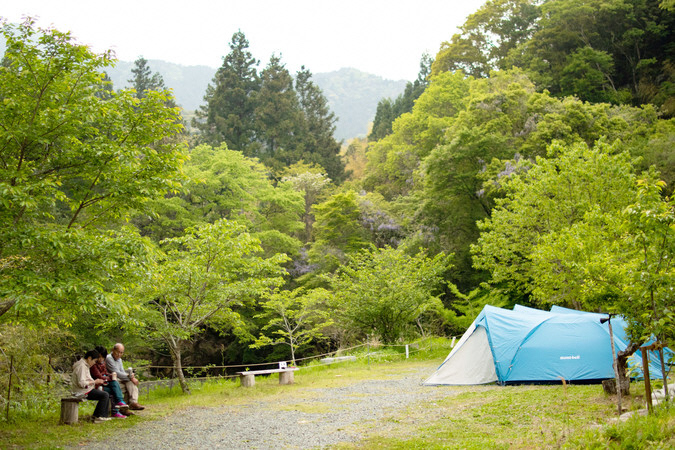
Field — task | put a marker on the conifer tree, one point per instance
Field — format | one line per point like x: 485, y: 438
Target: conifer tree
x: 229, y: 113
x: 319, y: 145
x: 143, y: 79
x: 278, y: 116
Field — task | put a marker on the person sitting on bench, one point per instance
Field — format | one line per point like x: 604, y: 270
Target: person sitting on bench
x: 127, y: 380
x: 83, y: 385
x: 111, y: 386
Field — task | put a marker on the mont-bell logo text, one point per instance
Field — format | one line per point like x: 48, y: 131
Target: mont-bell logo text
x: 571, y: 357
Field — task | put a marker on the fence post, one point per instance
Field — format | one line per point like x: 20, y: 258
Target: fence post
x: 9, y: 384
x: 406, y: 351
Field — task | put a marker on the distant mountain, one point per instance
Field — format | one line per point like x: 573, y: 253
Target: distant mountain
x: 352, y: 95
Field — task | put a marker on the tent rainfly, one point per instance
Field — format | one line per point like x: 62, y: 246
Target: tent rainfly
x: 527, y: 345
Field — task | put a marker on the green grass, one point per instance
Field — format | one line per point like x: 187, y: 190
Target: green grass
x: 464, y: 417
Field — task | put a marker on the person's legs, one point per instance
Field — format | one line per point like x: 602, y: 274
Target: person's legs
x: 102, y: 405
x: 130, y: 391
x: 113, y: 388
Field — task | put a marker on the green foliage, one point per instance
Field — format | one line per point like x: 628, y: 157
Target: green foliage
x: 30, y: 358
x: 606, y: 51
x: 224, y: 183
x: 388, y: 110
x: 229, y: 113
x: 620, y: 261
x: 294, y: 318
x: 616, y: 50
x: 487, y: 37
x: 74, y: 162
x: 310, y: 182
x: 554, y: 194
x: 337, y: 230
x: 206, y: 276
x: 144, y: 80
x: 269, y: 116
x: 383, y: 292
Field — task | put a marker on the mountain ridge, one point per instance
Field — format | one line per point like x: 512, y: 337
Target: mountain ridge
x: 352, y: 94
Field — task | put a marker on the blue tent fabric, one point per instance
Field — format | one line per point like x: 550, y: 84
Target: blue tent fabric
x: 531, y: 345
x: 619, y: 326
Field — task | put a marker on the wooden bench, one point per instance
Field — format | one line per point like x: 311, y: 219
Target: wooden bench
x: 247, y: 378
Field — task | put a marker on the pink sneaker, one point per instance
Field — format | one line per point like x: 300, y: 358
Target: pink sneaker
x: 121, y: 405
x: 119, y: 416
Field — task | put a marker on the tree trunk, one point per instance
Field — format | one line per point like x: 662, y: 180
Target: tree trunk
x: 6, y: 305
x: 178, y: 365
x: 622, y: 366
x: 663, y: 374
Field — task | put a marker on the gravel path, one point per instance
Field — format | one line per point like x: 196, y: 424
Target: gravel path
x: 325, y: 417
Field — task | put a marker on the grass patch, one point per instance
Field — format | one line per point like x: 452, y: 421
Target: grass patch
x: 575, y: 416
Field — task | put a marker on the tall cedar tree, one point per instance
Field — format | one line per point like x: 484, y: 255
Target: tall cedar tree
x: 278, y: 117
x: 318, y: 144
x: 229, y: 113
x: 144, y: 80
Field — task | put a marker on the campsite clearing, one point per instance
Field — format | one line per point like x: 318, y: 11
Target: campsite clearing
x: 376, y: 405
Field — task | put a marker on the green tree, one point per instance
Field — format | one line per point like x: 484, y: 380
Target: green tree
x: 144, y: 80
x: 310, y: 182
x: 229, y: 113
x: 74, y: 162
x: 487, y: 37
x: 387, y: 111
x: 316, y: 141
x: 278, y: 117
x: 224, y: 183
x: 205, y: 277
x: 553, y: 194
x: 337, y: 231
x: 384, y: 292
x: 294, y: 318
x: 617, y: 262
x: 621, y: 46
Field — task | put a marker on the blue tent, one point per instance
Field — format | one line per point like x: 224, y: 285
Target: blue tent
x: 526, y: 345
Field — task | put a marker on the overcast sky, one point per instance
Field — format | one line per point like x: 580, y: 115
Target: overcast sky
x: 382, y: 37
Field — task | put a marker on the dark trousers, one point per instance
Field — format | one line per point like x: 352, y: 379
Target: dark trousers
x: 115, y: 391
x: 102, y: 405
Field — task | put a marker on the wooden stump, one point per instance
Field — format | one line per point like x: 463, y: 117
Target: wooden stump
x: 69, y: 410
x: 286, y: 377
x: 609, y: 386
x: 247, y: 380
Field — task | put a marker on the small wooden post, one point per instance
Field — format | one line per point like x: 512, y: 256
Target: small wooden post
x: 69, y: 410
x: 648, y: 383
x: 407, y: 352
x: 9, y: 384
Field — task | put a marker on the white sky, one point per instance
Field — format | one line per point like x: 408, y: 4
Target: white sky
x: 382, y: 37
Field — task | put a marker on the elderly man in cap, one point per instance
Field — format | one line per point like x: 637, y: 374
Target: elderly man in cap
x: 127, y: 380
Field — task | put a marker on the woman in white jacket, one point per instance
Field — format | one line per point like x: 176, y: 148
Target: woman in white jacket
x: 85, y: 386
